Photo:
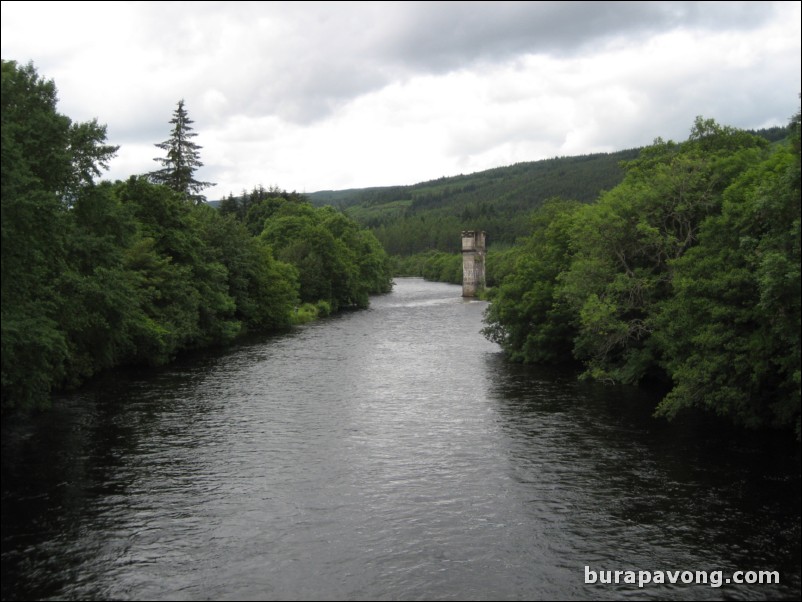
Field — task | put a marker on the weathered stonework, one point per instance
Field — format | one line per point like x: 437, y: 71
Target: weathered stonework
x: 473, y: 263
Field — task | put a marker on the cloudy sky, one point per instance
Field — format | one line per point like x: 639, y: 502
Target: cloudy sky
x: 328, y: 95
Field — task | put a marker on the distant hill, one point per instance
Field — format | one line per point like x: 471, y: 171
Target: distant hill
x: 577, y: 176
x: 430, y: 215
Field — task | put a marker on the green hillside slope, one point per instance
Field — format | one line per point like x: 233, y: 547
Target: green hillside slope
x: 424, y: 216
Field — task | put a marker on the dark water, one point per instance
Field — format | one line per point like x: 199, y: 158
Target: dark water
x: 384, y: 454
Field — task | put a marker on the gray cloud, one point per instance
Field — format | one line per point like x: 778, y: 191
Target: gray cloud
x: 302, y: 61
x: 329, y: 53
x: 360, y: 93
x: 444, y: 35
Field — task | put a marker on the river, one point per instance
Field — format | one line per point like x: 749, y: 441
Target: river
x: 384, y: 454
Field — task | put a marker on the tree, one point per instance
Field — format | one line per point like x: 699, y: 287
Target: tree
x: 48, y: 163
x: 624, y: 245
x: 730, y: 334
x: 527, y: 318
x: 337, y: 262
x: 182, y: 159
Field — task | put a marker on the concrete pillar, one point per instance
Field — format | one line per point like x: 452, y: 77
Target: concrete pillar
x: 473, y: 262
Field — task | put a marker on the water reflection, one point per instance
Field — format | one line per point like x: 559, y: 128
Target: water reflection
x: 638, y: 493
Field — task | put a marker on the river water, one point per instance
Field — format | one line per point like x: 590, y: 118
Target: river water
x: 384, y: 454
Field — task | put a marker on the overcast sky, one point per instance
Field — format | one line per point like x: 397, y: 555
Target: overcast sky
x: 327, y: 95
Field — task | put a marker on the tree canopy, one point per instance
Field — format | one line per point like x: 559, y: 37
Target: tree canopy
x: 48, y: 163
x: 688, y: 271
x: 97, y: 275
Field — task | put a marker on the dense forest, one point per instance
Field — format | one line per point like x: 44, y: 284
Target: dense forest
x: 686, y: 273
x: 424, y: 217
x: 97, y: 275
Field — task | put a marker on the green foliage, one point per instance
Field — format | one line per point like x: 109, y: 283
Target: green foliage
x: 688, y: 270
x: 337, y: 261
x: 731, y: 332
x: 206, y: 279
x: 182, y: 158
x: 526, y: 317
x: 96, y: 276
x: 47, y: 161
x: 309, y: 312
x: 34, y: 352
x: 265, y: 291
x: 432, y: 265
x: 35, y: 135
x: 306, y: 312
x: 622, y: 245
x: 254, y: 207
x: 98, y: 297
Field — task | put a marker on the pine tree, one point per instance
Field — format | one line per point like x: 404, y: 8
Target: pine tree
x: 182, y: 159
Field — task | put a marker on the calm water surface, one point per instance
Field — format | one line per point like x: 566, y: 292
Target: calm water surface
x: 383, y: 454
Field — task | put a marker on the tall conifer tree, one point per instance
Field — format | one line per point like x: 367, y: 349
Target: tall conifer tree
x: 183, y: 158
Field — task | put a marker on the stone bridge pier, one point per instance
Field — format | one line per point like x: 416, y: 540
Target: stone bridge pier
x: 473, y: 262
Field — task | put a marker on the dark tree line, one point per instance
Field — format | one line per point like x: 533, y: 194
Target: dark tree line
x: 97, y: 275
x: 338, y: 262
x: 688, y: 272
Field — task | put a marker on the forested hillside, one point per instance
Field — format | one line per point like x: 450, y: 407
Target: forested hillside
x: 426, y: 216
